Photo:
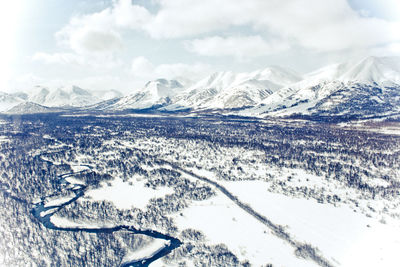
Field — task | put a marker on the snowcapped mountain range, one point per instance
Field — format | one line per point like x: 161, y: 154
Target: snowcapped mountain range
x: 69, y: 96
x: 153, y: 94
x: 367, y: 87
x: 225, y: 90
x: 8, y: 101
x: 370, y: 86
x: 47, y: 98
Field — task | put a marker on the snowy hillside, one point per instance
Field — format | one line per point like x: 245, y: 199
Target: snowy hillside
x: 8, y: 101
x: 380, y: 70
x: 29, y: 108
x: 68, y: 96
x: 154, y: 93
x: 107, y: 94
x: 364, y: 87
x: 40, y: 98
x: 223, y: 90
x: 370, y: 86
x: 38, y: 94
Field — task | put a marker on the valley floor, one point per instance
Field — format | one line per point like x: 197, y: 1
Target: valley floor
x: 197, y: 191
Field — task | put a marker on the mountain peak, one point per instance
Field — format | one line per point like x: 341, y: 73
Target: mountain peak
x: 370, y: 70
x: 165, y: 83
x: 277, y: 75
x: 30, y: 107
x: 73, y: 89
x: 154, y: 93
x: 71, y: 95
x: 374, y: 70
x: 39, y: 89
x: 8, y: 101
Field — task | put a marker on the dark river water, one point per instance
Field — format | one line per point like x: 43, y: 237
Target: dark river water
x: 78, y: 191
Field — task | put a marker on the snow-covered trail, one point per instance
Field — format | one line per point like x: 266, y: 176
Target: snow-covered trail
x: 306, y: 250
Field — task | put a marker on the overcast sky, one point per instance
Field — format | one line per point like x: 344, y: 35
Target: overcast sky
x: 105, y: 44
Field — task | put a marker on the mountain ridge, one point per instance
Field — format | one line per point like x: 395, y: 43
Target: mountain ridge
x: 370, y: 85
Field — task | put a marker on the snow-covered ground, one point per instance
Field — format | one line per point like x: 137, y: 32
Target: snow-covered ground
x: 57, y: 201
x: 73, y: 180
x: 392, y: 129
x: 125, y: 195
x: 78, y: 167
x: 3, y: 139
x: 343, y: 236
x: 147, y: 251
x: 66, y: 223
x: 223, y: 222
x: 47, y: 212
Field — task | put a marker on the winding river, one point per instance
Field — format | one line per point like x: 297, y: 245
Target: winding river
x: 43, y: 213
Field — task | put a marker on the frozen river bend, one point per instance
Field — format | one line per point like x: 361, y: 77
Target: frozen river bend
x: 45, y: 209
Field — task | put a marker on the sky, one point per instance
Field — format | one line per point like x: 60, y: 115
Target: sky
x: 121, y: 44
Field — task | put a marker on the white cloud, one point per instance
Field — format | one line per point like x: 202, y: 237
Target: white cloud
x: 97, y: 62
x: 230, y: 28
x: 125, y: 14
x: 392, y: 49
x: 100, y: 32
x: 241, y: 47
x: 26, y: 82
x: 142, y: 67
x: 327, y: 25
x: 104, y: 82
x: 58, y: 58
x: 90, y: 40
x: 181, y: 70
x: 23, y: 82
x: 144, y: 70
x: 182, y: 18
x: 91, y: 34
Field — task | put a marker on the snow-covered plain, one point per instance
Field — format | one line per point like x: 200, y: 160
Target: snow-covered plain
x: 67, y: 223
x: 57, y: 201
x: 3, y: 139
x: 346, y: 237
x: 141, y: 178
x: 147, y: 251
x: 125, y: 195
x: 222, y: 222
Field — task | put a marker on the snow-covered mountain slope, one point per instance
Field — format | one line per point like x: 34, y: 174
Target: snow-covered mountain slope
x: 39, y: 98
x: 380, y: 70
x: 335, y: 98
x: 153, y: 94
x: 358, y: 99
x: 366, y: 87
x: 38, y: 94
x: 104, y: 95
x: 223, y: 90
x: 68, y: 96
x: 8, y: 101
x: 30, y: 108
